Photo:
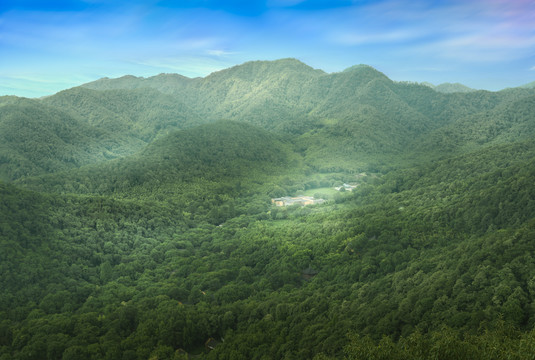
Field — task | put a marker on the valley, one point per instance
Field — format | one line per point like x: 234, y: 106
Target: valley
x: 138, y: 218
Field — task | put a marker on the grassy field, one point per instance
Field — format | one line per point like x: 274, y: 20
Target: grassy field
x: 326, y: 192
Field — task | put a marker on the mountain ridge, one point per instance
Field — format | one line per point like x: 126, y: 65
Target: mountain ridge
x: 350, y: 112
x: 214, y: 152
x: 36, y: 138
x: 140, y: 223
x: 132, y: 81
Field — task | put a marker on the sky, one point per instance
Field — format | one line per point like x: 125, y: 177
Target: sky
x: 51, y: 45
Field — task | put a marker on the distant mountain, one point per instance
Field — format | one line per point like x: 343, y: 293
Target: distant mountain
x: 449, y: 88
x: 166, y: 83
x: 507, y: 123
x: 271, y: 94
x: 337, y: 121
x: 289, y: 96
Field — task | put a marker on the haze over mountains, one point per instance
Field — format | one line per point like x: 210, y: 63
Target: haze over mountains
x: 137, y: 221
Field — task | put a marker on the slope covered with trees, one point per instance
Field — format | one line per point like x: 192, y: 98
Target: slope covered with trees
x: 346, y: 118
x: 449, y: 88
x: 214, y: 152
x: 442, y: 245
x: 340, y: 121
x: 36, y: 139
x: 171, y: 248
x: 142, y: 113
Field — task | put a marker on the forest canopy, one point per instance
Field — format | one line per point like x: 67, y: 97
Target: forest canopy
x: 136, y: 219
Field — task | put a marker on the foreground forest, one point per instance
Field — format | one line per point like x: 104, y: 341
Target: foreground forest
x: 136, y: 219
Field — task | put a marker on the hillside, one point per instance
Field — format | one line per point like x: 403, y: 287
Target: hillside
x: 530, y: 85
x: 142, y: 114
x: 449, y: 88
x: 439, y: 245
x: 350, y: 113
x: 221, y: 163
x: 136, y: 219
x: 166, y: 83
x: 509, y: 122
x: 345, y: 118
x: 36, y: 139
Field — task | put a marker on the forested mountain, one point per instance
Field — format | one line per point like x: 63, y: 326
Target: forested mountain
x: 344, y: 120
x: 36, y: 138
x: 143, y: 114
x: 508, y: 122
x: 166, y: 83
x: 222, y: 160
x: 449, y: 88
x: 136, y: 219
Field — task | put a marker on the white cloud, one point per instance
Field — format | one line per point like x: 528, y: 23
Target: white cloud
x: 37, y: 85
x: 473, y: 31
x: 219, y: 53
x: 360, y: 37
x: 485, y: 45
x: 198, y: 43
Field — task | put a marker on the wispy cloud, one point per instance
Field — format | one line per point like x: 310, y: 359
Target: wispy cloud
x: 472, y: 31
x: 98, y: 38
x: 219, y: 52
x: 36, y: 85
x: 357, y: 37
x: 192, y: 66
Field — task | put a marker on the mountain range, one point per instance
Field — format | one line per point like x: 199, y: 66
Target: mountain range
x: 349, y: 113
x: 137, y: 219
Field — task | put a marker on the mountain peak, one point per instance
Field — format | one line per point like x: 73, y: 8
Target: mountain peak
x: 359, y: 67
x: 448, y: 88
x: 252, y: 69
x: 364, y: 73
x: 166, y: 83
x: 105, y: 83
x: 285, y: 62
x: 363, y: 69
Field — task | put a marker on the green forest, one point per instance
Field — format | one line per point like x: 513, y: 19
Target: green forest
x: 137, y: 222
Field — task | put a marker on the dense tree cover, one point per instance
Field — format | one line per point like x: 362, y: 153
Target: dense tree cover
x: 122, y: 278
x: 166, y: 83
x: 449, y: 88
x: 142, y: 113
x: 347, y: 120
x: 37, y: 139
x: 504, y: 342
x: 506, y: 123
x: 221, y: 163
x: 176, y: 249
x: 356, y: 119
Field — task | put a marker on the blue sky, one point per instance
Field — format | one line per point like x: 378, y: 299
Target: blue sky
x: 48, y: 46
